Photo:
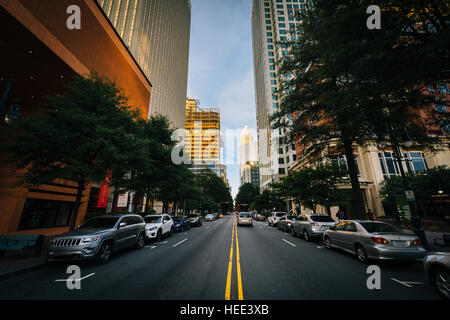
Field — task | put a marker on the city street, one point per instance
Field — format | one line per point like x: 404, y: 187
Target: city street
x: 194, y: 265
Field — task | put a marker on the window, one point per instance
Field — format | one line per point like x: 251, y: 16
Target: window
x: 342, y: 162
x: 280, y: 151
x: 388, y: 164
x: 269, y: 40
x: 270, y: 54
x: 273, y: 75
x: 267, y: 21
x: 267, y: 16
x: 279, y: 6
x: 443, y: 88
x: 287, y: 159
x: 274, y: 89
x: 39, y: 213
x: 275, y: 105
x: 440, y: 108
x: 268, y: 28
x: 280, y: 161
x: 266, y: 4
x: 350, y: 226
x: 418, y: 161
x: 270, y: 47
x: 282, y: 25
x: 273, y: 82
x: 271, y: 60
x: 272, y: 67
x: 294, y: 157
x: 275, y: 98
x: 283, y: 32
x: 281, y: 171
x: 281, y: 18
x: 269, y: 34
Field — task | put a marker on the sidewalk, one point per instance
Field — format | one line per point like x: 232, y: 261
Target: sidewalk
x: 15, y: 263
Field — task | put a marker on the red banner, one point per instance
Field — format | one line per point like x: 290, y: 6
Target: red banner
x: 103, y: 195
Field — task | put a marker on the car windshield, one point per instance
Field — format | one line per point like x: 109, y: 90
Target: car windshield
x: 374, y: 227
x: 280, y: 214
x: 100, y: 223
x: 155, y: 219
x: 244, y: 215
x: 322, y: 219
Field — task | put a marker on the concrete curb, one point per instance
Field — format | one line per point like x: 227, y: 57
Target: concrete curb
x: 18, y: 272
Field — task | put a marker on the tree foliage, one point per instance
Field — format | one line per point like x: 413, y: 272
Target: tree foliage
x: 246, y: 194
x: 268, y: 201
x: 341, y: 82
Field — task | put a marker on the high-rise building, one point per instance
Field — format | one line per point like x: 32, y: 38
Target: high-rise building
x: 250, y: 173
x: 202, y: 140
x: 248, y: 151
x: 272, y: 22
x: 157, y: 33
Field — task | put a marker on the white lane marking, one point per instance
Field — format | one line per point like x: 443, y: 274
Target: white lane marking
x: 319, y: 247
x: 165, y: 242
x: 406, y: 283
x: 185, y: 233
x: 179, y: 243
x: 289, y: 242
x: 207, y: 227
x: 151, y: 247
x: 65, y: 280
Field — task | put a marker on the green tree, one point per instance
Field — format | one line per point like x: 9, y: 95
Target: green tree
x: 340, y: 80
x: 246, y: 194
x: 267, y: 201
x: 215, y: 190
x: 78, y: 135
x: 314, y: 186
x: 423, y: 185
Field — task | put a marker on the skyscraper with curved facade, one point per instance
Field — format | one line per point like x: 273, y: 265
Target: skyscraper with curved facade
x: 157, y: 33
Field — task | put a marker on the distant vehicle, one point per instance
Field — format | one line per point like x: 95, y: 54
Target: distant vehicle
x: 260, y: 217
x: 275, y: 217
x: 209, y: 217
x: 98, y: 238
x: 373, y: 240
x: 195, y: 220
x: 285, y: 223
x: 245, y: 218
x: 310, y: 225
x: 437, y: 268
x: 181, y: 223
x: 158, y: 226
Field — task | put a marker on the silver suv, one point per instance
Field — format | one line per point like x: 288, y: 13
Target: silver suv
x: 98, y: 238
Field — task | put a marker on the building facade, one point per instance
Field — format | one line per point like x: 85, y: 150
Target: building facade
x: 43, y: 54
x: 272, y: 21
x: 157, y: 33
x: 248, y: 151
x: 250, y: 173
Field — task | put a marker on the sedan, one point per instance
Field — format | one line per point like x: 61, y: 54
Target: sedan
x: 437, y: 268
x: 209, y: 217
x: 311, y: 225
x: 285, y: 223
x: 245, y: 218
x: 195, y: 220
x: 374, y: 240
x: 181, y: 223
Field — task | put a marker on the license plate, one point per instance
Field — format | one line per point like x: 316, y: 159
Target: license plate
x: 400, y: 244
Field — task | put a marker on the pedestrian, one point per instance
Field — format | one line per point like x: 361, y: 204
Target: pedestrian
x: 340, y: 215
x: 370, y: 215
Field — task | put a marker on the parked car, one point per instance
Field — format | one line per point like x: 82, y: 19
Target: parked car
x: 260, y: 217
x: 310, y: 225
x: 181, y: 223
x: 437, y: 268
x: 275, y: 217
x: 285, y: 223
x: 195, y: 220
x: 158, y: 226
x: 374, y: 240
x: 209, y: 217
x: 245, y: 218
x: 98, y: 238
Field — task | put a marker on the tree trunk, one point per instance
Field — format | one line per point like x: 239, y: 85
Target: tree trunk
x: 358, y: 210
x: 77, y: 205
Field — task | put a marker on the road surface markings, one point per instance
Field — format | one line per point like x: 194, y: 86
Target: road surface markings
x: 230, y: 266
x: 165, y: 242
x: 289, y: 242
x: 319, y: 247
x: 207, y: 227
x: 180, y: 242
x: 70, y: 279
x: 238, y: 262
x: 151, y: 247
x: 406, y: 283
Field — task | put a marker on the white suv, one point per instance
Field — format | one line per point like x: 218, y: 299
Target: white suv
x: 158, y: 226
x: 275, y: 218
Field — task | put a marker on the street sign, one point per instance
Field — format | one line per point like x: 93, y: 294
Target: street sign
x: 410, y: 195
x: 122, y: 201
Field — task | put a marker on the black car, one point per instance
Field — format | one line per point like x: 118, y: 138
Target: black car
x: 181, y: 223
x: 195, y: 220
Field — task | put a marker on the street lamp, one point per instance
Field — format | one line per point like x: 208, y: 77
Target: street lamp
x: 416, y: 222
x: 14, y: 105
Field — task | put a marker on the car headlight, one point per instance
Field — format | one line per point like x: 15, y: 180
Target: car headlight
x: 152, y: 228
x: 90, y: 239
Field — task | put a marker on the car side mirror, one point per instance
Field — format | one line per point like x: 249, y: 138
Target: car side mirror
x: 78, y: 227
x: 122, y: 224
x: 164, y: 222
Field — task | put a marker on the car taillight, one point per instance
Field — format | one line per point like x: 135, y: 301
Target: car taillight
x: 417, y: 242
x: 379, y: 240
x: 315, y: 224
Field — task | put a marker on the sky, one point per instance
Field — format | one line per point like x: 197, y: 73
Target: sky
x: 221, y: 66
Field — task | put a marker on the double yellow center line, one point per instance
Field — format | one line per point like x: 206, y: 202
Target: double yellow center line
x: 238, y: 266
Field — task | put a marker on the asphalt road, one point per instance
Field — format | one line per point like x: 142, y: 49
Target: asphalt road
x: 198, y: 265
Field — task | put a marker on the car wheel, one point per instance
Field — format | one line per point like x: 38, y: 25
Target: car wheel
x: 306, y: 236
x: 104, y: 253
x: 140, y: 241
x: 159, y: 235
x: 327, y: 243
x: 440, y: 280
x: 361, y: 253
